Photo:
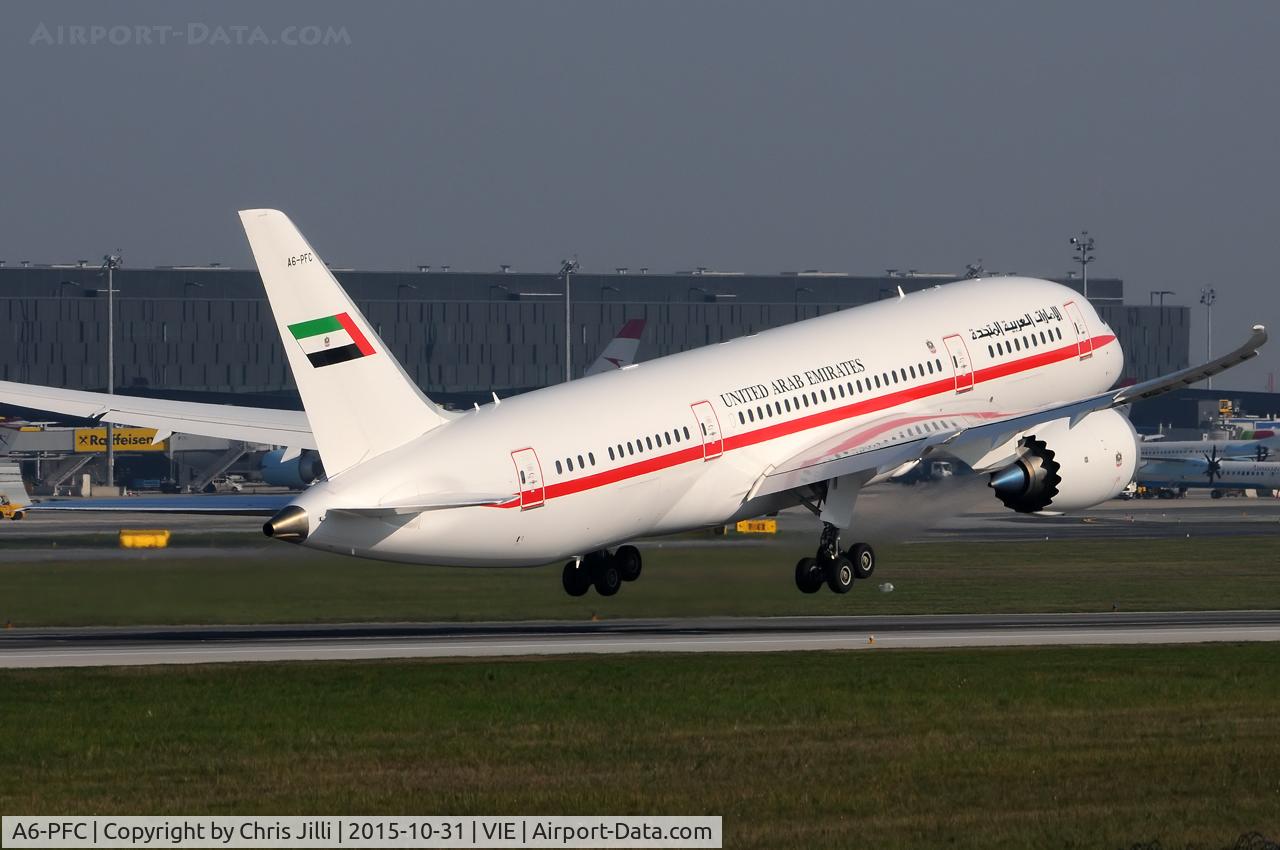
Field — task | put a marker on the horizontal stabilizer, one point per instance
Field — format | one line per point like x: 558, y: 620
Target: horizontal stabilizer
x: 226, y: 421
x: 434, y: 502
x: 232, y: 505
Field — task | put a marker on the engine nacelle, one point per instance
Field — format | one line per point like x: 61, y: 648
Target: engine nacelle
x: 1066, y: 469
x: 296, y: 473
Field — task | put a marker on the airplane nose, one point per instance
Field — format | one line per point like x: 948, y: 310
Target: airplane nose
x: 290, y: 525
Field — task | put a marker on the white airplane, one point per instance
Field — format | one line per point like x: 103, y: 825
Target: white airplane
x: 1208, y: 450
x: 1218, y: 473
x: 1008, y: 375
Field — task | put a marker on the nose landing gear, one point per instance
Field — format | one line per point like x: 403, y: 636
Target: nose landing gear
x: 838, y: 569
x: 603, y: 570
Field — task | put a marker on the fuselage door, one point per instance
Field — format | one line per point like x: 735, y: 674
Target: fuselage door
x: 709, y: 429
x: 959, y: 355
x: 529, y: 478
x: 1082, y: 330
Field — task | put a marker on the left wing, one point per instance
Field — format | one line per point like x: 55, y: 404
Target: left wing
x: 884, y: 446
x: 252, y: 424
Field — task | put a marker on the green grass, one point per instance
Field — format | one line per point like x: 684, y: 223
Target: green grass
x: 277, y: 583
x: 1090, y: 747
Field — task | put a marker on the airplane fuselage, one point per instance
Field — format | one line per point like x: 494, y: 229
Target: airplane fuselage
x: 679, y: 442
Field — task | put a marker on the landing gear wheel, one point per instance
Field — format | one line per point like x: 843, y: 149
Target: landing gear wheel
x: 576, y: 579
x: 840, y: 575
x: 606, y: 577
x: 629, y: 564
x: 808, y: 575
x: 864, y: 560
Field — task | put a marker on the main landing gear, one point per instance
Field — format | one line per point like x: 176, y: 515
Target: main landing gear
x: 837, y: 569
x: 603, y: 570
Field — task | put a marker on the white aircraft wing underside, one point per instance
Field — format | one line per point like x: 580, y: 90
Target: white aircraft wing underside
x: 252, y: 424
x: 884, y: 445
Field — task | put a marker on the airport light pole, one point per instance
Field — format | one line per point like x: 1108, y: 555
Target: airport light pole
x: 567, y: 268
x: 1084, y: 256
x: 111, y: 262
x: 1208, y: 295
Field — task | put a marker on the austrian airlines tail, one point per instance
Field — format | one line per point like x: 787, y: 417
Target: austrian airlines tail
x: 621, y: 350
x: 358, y: 410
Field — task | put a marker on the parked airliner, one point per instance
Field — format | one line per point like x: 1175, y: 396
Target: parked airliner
x: 1009, y: 375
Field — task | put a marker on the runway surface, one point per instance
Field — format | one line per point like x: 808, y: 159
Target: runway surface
x: 891, y: 514
x: 103, y: 647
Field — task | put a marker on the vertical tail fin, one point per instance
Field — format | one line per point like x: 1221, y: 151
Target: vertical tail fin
x: 621, y: 350
x: 358, y: 399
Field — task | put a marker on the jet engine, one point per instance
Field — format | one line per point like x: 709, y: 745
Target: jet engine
x: 1065, y: 469
x: 297, y: 473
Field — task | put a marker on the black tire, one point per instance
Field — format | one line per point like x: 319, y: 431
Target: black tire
x: 840, y: 575
x: 576, y: 579
x: 629, y: 562
x: 808, y: 575
x: 864, y: 560
x: 607, y: 578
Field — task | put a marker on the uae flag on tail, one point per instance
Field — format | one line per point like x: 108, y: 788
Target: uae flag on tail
x: 333, y: 339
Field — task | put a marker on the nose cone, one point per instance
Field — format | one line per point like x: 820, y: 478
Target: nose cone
x: 290, y: 524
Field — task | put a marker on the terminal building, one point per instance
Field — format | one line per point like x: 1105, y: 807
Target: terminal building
x: 206, y: 333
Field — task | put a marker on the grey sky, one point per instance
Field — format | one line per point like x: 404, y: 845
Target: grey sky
x: 741, y: 136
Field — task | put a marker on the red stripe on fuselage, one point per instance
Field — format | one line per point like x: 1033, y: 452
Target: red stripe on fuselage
x: 813, y: 420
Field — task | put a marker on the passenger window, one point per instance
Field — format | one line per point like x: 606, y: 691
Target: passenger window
x: 591, y: 457
x: 895, y: 375
x: 877, y: 377
x: 813, y: 397
x: 805, y: 399
x: 750, y: 416
x: 581, y: 465
x: 648, y: 444
x: 939, y: 362
x: 630, y: 450
x: 824, y: 396
x: 786, y: 402
x: 610, y: 452
x: 990, y: 352
x: 742, y: 420
x: 677, y: 435
x: 859, y: 385
x: 1016, y: 345
x: 667, y: 434
x: 559, y: 471
x: 569, y: 463
x: 522, y: 476
x: 686, y: 432
x: 913, y: 371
